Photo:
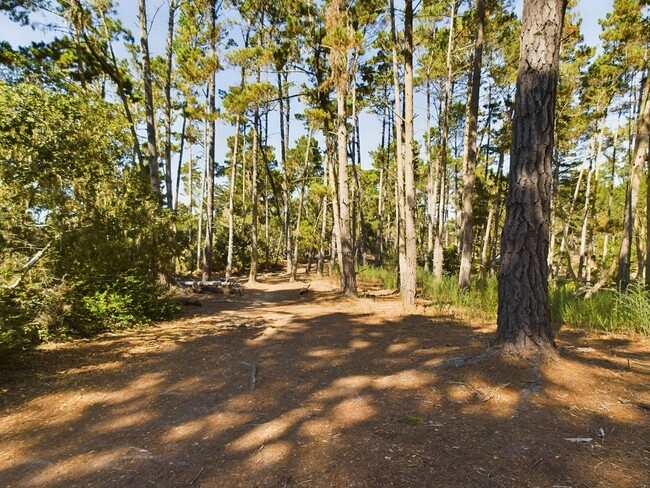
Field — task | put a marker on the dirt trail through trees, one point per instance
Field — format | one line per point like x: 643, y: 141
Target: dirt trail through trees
x: 344, y: 394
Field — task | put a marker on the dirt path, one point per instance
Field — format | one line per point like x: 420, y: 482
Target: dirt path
x: 173, y: 405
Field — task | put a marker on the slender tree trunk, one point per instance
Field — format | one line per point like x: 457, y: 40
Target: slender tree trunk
x: 409, y: 286
x: 363, y: 247
x: 190, y: 183
x: 348, y: 273
x: 399, y: 154
x: 152, y: 143
x: 179, y: 167
x: 336, y: 219
x: 168, y: 104
x: 431, y: 202
x: 567, y: 223
x: 252, y: 275
x: 231, y: 200
x: 379, y: 251
x: 438, y: 256
x: 636, y: 172
x: 296, y: 237
x: 286, y: 198
x: 470, y: 153
x: 209, y: 220
x: 523, y: 320
x: 583, y: 232
x: 320, y: 266
x: 199, y: 234
x: 486, y: 244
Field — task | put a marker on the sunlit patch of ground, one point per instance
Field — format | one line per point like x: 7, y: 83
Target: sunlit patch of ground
x: 275, y: 388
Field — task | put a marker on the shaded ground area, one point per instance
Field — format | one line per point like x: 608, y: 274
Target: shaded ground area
x: 173, y: 405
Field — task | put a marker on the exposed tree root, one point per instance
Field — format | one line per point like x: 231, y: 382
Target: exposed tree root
x: 533, y: 355
x: 467, y: 360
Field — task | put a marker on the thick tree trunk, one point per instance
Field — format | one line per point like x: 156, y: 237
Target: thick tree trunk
x: 636, y: 172
x: 524, y: 312
x: 152, y: 143
x: 470, y: 153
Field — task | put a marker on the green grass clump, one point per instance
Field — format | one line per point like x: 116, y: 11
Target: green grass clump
x: 606, y: 310
x: 410, y: 420
x: 386, y: 277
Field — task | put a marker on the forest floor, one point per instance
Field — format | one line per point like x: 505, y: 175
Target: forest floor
x: 345, y: 394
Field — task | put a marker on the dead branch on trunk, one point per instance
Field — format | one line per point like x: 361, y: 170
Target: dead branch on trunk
x: 30, y: 264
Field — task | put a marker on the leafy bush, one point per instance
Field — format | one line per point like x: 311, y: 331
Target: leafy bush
x: 127, y: 302
x: 68, y: 183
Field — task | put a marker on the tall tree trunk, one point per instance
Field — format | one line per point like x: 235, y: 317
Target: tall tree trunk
x: 469, y: 152
x: 363, y: 247
x: 179, y: 167
x: 523, y: 321
x: 335, y: 256
x: 204, y: 172
x: 168, y: 104
x: 190, y: 183
x: 231, y: 200
x: 209, y: 220
x: 409, y: 286
x: 348, y: 273
x: 152, y: 144
x: 431, y: 202
x: 296, y: 237
x: 438, y: 256
x: 252, y: 275
x: 567, y: 223
x: 379, y: 245
x: 286, y: 197
x: 399, y: 153
x: 636, y: 172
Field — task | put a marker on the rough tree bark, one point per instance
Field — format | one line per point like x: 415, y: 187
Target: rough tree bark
x: 523, y: 321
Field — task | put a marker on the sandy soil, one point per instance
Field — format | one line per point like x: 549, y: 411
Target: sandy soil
x: 334, y: 382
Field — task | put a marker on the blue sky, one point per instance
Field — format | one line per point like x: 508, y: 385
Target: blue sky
x: 370, y: 127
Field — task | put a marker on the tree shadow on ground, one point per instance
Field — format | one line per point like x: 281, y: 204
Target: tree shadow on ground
x: 338, y: 384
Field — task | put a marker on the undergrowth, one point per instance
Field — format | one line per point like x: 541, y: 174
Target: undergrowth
x: 606, y: 310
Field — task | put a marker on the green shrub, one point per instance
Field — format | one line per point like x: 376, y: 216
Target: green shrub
x: 130, y: 301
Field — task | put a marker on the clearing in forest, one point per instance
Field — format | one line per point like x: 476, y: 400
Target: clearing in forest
x: 275, y: 388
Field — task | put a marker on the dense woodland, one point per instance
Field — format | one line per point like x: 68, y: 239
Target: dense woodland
x: 111, y: 187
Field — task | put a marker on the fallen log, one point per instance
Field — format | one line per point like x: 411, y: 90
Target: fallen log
x: 215, y: 286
